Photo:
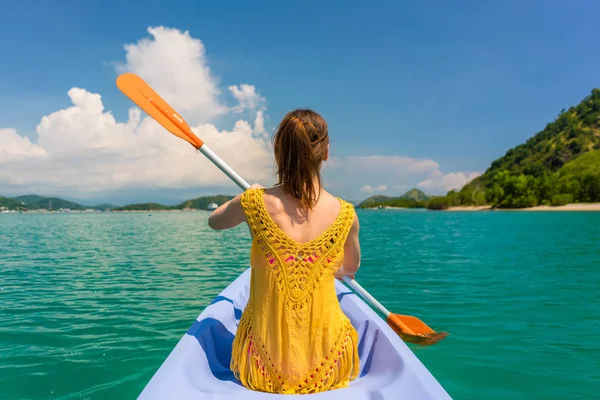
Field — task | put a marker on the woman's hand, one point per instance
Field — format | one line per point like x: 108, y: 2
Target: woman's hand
x: 256, y: 186
x: 340, y: 273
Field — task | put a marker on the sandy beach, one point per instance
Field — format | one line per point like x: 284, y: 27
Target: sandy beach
x: 568, y: 207
x: 470, y: 208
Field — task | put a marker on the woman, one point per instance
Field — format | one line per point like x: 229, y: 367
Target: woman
x: 293, y: 336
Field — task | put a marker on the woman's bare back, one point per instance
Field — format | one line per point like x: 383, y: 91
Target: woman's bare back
x: 300, y: 225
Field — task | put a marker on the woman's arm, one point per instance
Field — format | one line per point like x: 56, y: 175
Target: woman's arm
x: 228, y: 215
x: 351, y: 261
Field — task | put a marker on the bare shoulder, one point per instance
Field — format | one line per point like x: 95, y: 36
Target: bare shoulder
x: 274, y: 200
x: 329, y: 202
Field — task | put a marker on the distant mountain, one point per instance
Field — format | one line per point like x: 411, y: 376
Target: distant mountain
x: 414, y: 198
x: 103, y: 207
x: 201, y: 203
x: 11, y: 204
x: 145, y: 207
x: 374, y: 201
x: 35, y: 202
x: 415, y: 194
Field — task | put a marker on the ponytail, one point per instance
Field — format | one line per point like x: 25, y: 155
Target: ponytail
x: 300, y: 144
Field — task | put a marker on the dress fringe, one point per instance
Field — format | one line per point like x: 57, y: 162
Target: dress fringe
x: 254, y: 369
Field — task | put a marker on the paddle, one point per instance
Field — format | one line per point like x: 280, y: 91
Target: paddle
x: 410, y: 329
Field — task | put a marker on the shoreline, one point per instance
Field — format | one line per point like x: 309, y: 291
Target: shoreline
x: 469, y: 208
x: 589, y: 207
x: 101, y: 211
x: 384, y: 208
x: 157, y: 211
x: 567, y: 207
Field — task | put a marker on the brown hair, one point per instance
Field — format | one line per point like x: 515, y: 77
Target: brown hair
x: 300, y: 144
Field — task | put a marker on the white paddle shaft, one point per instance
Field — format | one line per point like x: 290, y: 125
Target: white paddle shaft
x: 365, y: 295
x: 222, y: 165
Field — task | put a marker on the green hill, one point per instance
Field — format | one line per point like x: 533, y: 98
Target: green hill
x: 579, y: 180
x: 558, y: 165
x: 35, y: 202
x: 415, y: 194
x: 103, y: 207
x: 589, y: 163
x: 375, y: 201
x: 201, y: 203
x: 145, y: 207
x: 414, y: 198
x: 11, y: 204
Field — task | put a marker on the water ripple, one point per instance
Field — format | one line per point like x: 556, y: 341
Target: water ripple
x: 91, y: 305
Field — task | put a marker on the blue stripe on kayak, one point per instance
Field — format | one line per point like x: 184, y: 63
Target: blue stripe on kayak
x: 237, y: 311
x: 341, y: 295
x: 361, y: 344
x: 369, y: 360
x: 216, y: 342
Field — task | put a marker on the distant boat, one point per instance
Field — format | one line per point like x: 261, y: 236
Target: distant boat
x: 212, y: 206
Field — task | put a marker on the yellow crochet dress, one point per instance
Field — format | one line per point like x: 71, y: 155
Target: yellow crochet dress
x: 293, y: 336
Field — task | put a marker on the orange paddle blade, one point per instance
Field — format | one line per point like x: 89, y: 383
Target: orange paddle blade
x: 413, y: 330
x: 148, y: 100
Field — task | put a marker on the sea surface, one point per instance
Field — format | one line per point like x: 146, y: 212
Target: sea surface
x: 92, y: 304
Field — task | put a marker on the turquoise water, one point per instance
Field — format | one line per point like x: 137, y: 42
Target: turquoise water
x: 91, y: 304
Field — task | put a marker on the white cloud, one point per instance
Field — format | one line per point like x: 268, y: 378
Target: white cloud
x: 371, y: 189
x: 82, y: 149
x: 392, y: 173
x: 446, y: 182
x: 259, y: 124
x: 395, y: 173
x: 13, y: 146
x: 247, y: 96
x: 175, y: 65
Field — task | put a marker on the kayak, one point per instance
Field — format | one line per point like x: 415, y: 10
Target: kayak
x: 198, y: 366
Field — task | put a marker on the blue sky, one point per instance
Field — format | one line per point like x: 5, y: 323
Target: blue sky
x: 456, y: 83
